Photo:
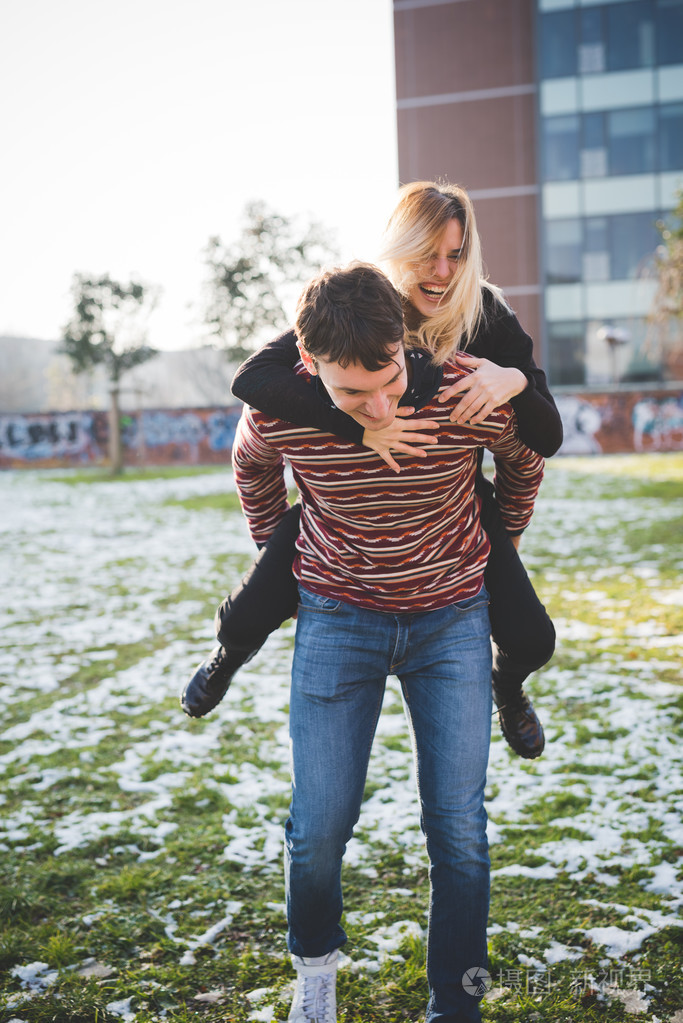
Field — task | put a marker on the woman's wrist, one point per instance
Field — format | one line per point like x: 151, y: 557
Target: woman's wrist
x: 520, y: 379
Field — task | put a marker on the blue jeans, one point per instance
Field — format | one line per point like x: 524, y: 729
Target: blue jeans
x: 342, y: 657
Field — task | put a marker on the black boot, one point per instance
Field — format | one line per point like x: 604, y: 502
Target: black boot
x: 265, y: 598
x: 519, y: 723
x: 211, y: 681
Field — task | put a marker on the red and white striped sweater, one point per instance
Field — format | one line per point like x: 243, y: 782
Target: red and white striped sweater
x: 385, y: 541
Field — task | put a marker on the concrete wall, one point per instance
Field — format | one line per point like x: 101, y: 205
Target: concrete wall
x: 600, y: 423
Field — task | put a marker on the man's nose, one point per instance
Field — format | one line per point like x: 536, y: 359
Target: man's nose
x: 379, y: 405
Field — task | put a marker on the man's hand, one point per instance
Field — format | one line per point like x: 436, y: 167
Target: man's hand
x: 400, y: 436
x: 489, y: 387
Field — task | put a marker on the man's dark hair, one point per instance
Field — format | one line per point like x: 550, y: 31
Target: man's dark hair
x: 350, y: 315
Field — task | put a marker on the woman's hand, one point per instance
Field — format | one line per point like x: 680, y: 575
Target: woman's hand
x: 489, y: 387
x: 401, y: 436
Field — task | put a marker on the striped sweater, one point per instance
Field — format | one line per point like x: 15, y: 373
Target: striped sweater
x: 385, y: 541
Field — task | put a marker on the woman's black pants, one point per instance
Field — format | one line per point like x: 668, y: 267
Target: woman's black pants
x: 522, y: 632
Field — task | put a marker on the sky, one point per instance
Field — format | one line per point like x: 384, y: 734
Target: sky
x: 132, y: 132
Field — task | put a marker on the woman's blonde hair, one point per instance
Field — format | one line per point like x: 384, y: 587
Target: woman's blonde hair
x: 422, y: 214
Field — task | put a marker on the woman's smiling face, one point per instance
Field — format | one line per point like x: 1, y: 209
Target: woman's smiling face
x: 435, y: 274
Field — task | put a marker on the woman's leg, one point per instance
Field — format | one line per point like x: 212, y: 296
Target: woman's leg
x: 264, y: 599
x: 267, y: 595
x: 523, y: 634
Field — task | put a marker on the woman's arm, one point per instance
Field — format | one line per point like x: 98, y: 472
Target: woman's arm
x: 267, y: 382
x: 538, y: 421
x: 504, y: 370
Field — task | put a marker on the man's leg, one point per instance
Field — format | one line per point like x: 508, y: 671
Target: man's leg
x: 446, y: 679
x: 338, y: 679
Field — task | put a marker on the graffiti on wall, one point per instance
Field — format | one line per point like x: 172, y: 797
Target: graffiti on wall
x: 607, y: 423
x: 183, y: 435
x: 658, y: 424
x: 581, y: 423
x: 71, y: 436
x: 217, y: 430
x: 194, y: 436
x: 621, y: 421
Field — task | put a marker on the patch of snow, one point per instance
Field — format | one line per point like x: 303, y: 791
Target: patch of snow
x: 532, y: 963
x: 122, y: 1008
x: 559, y: 953
x: 35, y: 976
x: 634, y: 1001
x: 545, y: 872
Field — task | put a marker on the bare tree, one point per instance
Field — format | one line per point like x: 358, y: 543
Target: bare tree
x: 666, y: 316
x: 109, y: 328
x: 250, y: 282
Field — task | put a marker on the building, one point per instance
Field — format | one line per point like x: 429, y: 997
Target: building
x: 564, y: 120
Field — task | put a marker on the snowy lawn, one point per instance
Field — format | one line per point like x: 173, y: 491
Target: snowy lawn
x: 141, y: 851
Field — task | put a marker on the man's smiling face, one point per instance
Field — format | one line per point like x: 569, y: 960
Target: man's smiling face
x: 370, y: 397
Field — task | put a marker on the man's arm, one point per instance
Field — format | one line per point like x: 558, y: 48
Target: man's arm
x: 259, y: 477
x: 518, y: 475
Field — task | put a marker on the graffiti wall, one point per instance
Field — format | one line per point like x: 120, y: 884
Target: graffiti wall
x: 176, y: 436
x: 609, y: 423
x: 621, y: 421
x: 53, y: 438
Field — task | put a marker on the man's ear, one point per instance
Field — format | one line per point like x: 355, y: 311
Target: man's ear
x: 308, y: 362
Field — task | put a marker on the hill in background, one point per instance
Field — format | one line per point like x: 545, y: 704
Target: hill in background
x: 36, y: 377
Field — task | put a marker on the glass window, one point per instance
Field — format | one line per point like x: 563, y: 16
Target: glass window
x: 671, y: 137
x: 596, y: 234
x: 558, y: 44
x: 566, y: 353
x: 592, y: 46
x: 563, y: 251
x: 591, y: 25
x: 596, y: 264
x: 643, y: 360
x: 631, y: 141
x: 561, y: 148
x: 633, y: 240
x: 670, y: 31
x: 593, y: 131
x: 630, y: 35
x: 593, y: 148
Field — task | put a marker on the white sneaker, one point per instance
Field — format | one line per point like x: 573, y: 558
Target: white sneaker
x: 315, y: 998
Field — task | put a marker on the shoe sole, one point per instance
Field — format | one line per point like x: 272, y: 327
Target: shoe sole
x: 524, y: 751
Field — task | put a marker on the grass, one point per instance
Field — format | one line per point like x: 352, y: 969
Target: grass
x: 140, y: 852
x: 131, y: 474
